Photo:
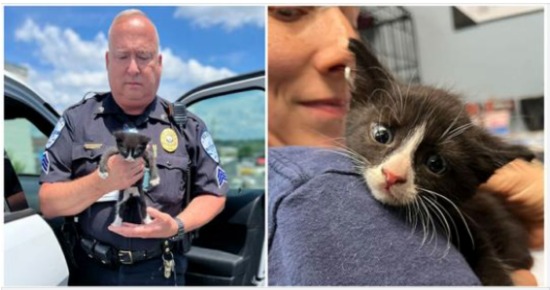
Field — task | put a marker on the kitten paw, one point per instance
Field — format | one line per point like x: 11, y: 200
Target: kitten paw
x: 147, y: 220
x: 155, y: 181
x: 103, y: 175
x: 117, y: 222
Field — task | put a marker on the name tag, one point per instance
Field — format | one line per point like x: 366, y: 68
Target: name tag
x: 91, y: 146
x: 109, y: 196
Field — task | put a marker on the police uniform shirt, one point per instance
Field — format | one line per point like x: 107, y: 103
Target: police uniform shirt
x: 84, y: 132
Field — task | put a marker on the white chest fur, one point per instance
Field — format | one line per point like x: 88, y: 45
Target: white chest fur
x: 129, y: 192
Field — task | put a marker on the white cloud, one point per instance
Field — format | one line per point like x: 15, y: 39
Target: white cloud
x: 230, y: 18
x: 180, y: 76
x: 72, y: 66
x: 190, y: 71
x: 63, y: 48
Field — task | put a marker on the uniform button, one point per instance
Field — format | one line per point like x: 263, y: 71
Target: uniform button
x: 168, y: 163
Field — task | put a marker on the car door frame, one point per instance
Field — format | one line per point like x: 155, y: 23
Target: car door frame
x: 245, y: 82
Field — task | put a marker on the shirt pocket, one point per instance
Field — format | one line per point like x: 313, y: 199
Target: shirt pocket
x: 169, y: 194
x: 85, y: 160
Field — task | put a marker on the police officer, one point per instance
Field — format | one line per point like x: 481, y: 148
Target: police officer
x: 130, y: 254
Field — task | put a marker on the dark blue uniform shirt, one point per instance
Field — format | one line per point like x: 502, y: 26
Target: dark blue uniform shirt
x: 326, y: 228
x: 85, y: 131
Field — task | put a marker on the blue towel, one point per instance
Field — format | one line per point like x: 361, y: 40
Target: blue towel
x: 325, y: 228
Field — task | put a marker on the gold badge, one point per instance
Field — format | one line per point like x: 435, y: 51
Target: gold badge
x: 169, y: 140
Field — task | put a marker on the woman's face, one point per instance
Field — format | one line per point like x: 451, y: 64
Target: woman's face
x: 307, y: 55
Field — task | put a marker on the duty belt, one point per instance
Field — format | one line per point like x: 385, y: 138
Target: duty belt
x: 109, y: 255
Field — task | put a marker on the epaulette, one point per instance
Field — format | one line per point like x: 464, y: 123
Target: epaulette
x: 165, y: 104
x: 88, y: 96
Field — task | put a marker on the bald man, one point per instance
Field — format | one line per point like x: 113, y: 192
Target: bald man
x: 71, y: 186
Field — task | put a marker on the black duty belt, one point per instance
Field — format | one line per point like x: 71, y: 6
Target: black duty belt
x: 109, y: 255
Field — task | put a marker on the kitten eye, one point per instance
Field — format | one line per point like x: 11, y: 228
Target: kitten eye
x: 287, y: 14
x: 436, y: 164
x: 381, y: 134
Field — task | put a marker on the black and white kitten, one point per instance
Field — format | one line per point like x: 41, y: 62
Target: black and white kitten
x: 131, y: 146
x: 417, y: 149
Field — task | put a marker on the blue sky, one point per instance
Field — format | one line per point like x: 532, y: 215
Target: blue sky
x: 63, y: 47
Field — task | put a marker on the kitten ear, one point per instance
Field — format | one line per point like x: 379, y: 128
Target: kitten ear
x: 494, y: 153
x: 144, y: 139
x: 119, y: 135
x: 370, y: 74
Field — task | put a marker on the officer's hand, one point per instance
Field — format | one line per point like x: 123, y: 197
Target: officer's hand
x: 162, y: 226
x: 521, y: 183
x: 124, y: 173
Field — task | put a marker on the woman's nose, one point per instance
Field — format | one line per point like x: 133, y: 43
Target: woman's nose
x: 333, y: 54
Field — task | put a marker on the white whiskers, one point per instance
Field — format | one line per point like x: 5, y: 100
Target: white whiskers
x: 455, y: 207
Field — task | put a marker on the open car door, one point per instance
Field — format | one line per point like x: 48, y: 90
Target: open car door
x: 32, y: 254
x: 230, y: 249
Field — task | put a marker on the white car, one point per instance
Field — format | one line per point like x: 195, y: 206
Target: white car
x: 30, y: 244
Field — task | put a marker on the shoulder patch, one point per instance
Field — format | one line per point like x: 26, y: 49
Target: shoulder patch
x: 56, y: 131
x: 221, y: 177
x: 45, y: 162
x: 208, y: 146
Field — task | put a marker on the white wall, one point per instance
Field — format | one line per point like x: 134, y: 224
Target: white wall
x: 499, y: 59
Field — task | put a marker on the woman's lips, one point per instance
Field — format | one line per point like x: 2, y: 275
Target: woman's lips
x: 336, y: 107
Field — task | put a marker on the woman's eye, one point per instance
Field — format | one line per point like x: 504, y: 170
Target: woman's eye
x: 287, y: 14
x: 436, y: 164
x: 381, y: 134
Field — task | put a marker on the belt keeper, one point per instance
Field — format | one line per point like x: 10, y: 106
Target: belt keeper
x: 88, y: 246
x: 103, y: 253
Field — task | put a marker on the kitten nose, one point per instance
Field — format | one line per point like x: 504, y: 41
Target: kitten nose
x: 392, y: 178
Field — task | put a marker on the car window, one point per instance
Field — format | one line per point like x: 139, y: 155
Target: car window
x: 236, y: 122
x: 24, y: 144
x: 14, y: 197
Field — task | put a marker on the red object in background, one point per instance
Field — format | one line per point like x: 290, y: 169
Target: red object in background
x: 260, y: 161
x: 474, y: 111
